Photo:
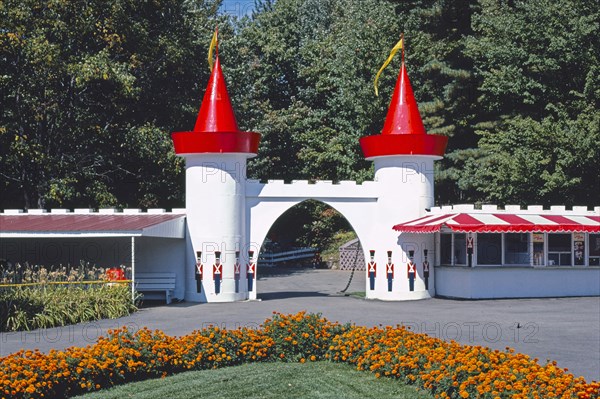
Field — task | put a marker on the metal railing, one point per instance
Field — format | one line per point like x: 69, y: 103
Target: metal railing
x: 270, y: 259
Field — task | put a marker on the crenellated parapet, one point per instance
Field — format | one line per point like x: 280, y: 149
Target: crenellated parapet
x: 529, y: 209
x: 320, y: 189
x: 91, y: 211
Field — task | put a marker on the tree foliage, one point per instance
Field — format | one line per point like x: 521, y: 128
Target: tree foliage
x: 90, y: 91
x: 552, y: 161
x: 538, y: 97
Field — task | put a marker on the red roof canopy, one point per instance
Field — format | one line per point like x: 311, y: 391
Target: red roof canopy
x: 82, y: 223
x: 498, y: 222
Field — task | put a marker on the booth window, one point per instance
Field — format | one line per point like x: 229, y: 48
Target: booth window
x: 516, y: 248
x: 594, y: 245
x: 460, y: 249
x: 489, y: 249
x: 559, y: 249
x: 446, y: 249
x: 538, y: 249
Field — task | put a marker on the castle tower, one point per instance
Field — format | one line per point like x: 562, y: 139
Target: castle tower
x: 403, y: 156
x: 215, y: 153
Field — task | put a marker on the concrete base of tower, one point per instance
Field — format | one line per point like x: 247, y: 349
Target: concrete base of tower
x: 226, y: 291
x: 192, y: 296
x: 222, y: 298
x: 399, y: 296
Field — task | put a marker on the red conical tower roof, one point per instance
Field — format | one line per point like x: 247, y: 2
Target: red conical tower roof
x: 403, y: 114
x: 216, y: 113
x: 403, y: 131
x: 216, y: 129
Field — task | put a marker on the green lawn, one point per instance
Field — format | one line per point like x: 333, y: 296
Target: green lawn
x: 267, y: 380
x: 357, y: 294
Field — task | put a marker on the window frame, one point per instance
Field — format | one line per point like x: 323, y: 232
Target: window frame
x: 528, y: 251
x: 476, y: 252
x: 571, y: 251
x: 588, y: 255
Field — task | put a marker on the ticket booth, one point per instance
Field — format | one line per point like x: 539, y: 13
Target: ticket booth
x: 512, y: 253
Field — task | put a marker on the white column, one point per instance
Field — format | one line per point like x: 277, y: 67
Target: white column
x: 215, y: 208
x: 405, y: 192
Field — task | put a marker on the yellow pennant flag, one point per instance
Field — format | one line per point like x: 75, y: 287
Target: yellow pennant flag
x: 397, y: 47
x: 213, y: 43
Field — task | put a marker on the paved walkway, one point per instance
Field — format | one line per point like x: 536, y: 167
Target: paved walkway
x: 566, y: 329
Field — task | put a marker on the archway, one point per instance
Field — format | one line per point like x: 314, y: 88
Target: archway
x: 299, y: 245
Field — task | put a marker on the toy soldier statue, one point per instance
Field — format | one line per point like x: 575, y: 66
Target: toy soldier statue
x: 198, y: 271
x: 236, y: 271
x: 372, y: 269
x: 389, y: 269
x: 470, y: 245
x: 426, y: 269
x: 411, y: 270
x: 217, y: 272
x: 250, y: 270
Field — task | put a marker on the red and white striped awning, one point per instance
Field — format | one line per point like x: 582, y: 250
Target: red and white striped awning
x: 501, y: 223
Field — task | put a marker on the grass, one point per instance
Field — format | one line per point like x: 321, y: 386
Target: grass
x: 357, y: 294
x: 267, y: 380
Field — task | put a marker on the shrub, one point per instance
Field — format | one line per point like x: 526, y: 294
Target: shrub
x: 45, y: 306
x: 34, y: 296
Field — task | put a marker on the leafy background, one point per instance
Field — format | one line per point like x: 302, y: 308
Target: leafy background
x: 91, y: 91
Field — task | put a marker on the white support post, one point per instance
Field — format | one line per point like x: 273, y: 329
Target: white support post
x: 530, y: 249
x: 132, y: 268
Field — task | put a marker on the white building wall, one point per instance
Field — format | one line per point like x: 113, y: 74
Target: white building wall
x: 403, y: 190
x: 267, y: 202
x: 160, y: 255
x: 485, y: 282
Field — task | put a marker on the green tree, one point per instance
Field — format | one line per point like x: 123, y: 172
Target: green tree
x: 535, y: 56
x: 538, y: 100
x: 523, y: 161
x: 444, y: 82
x: 90, y: 92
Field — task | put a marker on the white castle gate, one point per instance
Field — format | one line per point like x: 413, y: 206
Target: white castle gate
x: 229, y: 216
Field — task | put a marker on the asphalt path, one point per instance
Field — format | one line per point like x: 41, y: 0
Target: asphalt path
x: 563, y: 329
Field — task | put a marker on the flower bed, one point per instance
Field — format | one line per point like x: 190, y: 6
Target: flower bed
x: 452, y: 370
x: 449, y: 370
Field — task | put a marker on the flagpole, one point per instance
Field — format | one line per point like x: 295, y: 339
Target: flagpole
x: 403, y: 44
x: 214, y: 45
